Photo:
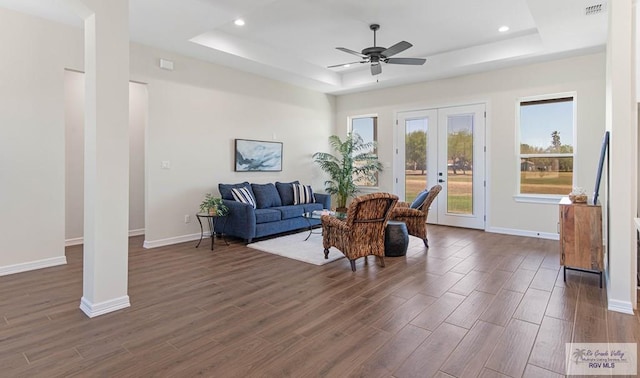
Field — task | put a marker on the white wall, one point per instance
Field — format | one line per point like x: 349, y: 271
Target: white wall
x: 32, y: 172
x: 138, y: 112
x: 637, y: 70
x: 196, y: 112
x: 621, y: 121
x: 500, y: 89
x: 74, y: 156
x: 74, y: 152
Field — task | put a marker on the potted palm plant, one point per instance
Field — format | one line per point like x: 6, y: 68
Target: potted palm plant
x: 213, y: 206
x: 355, y: 160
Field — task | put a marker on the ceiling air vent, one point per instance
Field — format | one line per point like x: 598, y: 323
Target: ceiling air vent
x: 595, y: 9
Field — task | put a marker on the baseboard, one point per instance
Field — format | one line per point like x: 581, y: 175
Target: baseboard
x: 624, y: 307
x: 171, y: 241
x: 73, y: 241
x: 96, y: 309
x: 147, y: 243
x: 531, y: 234
x: 137, y: 232
x: 80, y: 240
x: 32, y: 265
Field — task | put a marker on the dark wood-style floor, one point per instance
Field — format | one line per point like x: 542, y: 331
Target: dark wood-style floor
x: 475, y: 304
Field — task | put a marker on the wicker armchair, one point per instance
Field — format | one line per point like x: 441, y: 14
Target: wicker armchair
x: 416, y: 219
x: 361, y: 233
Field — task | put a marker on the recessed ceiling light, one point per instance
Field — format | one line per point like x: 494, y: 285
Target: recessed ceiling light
x: 239, y: 22
x: 503, y: 29
x: 346, y: 65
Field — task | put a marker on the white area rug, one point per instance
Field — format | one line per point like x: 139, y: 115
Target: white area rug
x: 295, y: 247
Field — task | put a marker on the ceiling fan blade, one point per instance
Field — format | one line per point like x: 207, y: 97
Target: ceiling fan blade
x: 397, y: 48
x: 376, y: 69
x: 351, y: 52
x: 412, y: 61
x: 344, y: 64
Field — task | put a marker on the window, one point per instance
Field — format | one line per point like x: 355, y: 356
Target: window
x: 367, y: 128
x: 546, y: 145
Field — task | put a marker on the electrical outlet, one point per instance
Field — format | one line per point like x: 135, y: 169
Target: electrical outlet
x: 187, y: 218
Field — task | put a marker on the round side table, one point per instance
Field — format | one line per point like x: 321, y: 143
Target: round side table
x: 396, y: 239
x: 212, y: 219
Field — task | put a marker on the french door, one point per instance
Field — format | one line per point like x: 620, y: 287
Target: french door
x: 444, y: 146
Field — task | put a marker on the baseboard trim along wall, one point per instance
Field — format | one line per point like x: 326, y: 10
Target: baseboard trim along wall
x: 80, y: 240
x: 624, y: 307
x: 137, y: 232
x: 32, y: 265
x: 170, y: 241
x: 531, y: 234
x: 73, y: 241
x: 96, y: 309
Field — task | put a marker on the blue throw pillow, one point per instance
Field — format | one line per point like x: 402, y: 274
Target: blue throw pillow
x: 417, y: 203
x: 225, y: 189
x: 285, y: 189
x: 266, y: 195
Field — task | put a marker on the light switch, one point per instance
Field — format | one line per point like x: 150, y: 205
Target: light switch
x: 166, y: 164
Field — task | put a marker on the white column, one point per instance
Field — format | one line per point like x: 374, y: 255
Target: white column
x: 106, y: 155
x: 621, y: 121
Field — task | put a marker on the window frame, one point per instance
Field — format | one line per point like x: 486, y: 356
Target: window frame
x: 350, y: 120
x: 544, y: 198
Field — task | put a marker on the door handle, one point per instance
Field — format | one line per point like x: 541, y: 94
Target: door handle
x: 440, y: 180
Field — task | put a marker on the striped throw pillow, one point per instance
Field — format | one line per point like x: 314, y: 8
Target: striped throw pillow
x: 243, y: 195
x: 302, y: 194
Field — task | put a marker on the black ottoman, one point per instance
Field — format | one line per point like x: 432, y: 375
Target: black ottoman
x: 396, y: 239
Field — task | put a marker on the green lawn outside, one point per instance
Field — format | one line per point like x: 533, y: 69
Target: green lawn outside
x: 414, y: 184
x: 548, y: 183
x: 461, y: 204
x: 460, y: 178
x: 459, y: 190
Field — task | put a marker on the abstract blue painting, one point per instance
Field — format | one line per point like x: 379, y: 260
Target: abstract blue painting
x: 258, y: 156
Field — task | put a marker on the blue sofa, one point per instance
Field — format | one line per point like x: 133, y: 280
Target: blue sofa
x: 275, y: 211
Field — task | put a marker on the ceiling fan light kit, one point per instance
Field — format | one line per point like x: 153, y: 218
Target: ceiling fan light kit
x: 377, y: 54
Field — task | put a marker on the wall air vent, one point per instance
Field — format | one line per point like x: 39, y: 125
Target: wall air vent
x: 595, y: 9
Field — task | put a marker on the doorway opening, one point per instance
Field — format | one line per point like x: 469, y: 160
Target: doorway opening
x: 74, y: 156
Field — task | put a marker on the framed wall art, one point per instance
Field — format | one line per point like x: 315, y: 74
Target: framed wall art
x: 258, y: 156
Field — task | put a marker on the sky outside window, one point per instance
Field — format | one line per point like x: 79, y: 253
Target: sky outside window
x: 364, y: 127
x: 538, y: 121
x: 419, y: 124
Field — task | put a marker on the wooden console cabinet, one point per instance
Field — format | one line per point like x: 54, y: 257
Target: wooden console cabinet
x: 581, y: 237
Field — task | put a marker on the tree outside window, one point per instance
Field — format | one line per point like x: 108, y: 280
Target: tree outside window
x: 416, y: 151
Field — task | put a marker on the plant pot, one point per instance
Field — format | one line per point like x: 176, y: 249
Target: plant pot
x: 213, y: 210
x: 341, y: 209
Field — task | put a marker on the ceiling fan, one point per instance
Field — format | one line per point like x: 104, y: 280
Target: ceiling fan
x: 376, y: 54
